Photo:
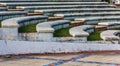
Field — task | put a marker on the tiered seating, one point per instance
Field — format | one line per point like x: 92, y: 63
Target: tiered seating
x: 50, y: 27
x: 32, y: 8
x: 110, y: 35
x: 75, y: 10
x: 81, y: 31
x: 14, y: 4
x: 83, y: 15
x: 50, y: 0
x: 110, y: 25
x: 11, y: 14
x: 23, y: 21
x: 97, y: 19
x: 3, y: 8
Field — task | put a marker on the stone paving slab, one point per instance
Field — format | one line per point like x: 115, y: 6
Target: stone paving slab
x: 103, y: 58
x: 67, y: 60
x: 25, y: 62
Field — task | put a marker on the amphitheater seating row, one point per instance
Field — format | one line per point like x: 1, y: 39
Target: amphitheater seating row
x: 81, y: 31
x: 75, y: 10
x: 110, y: 25
x: 11, y: 14
x: 85, y: 15
x: 50, y: 0
x: 51, y: 3
x: 50, y: 27
x: 96, y: 20
x: 32, y: 8
x: 110, y: 35
x: 23, y: 21
x: 3, y: 8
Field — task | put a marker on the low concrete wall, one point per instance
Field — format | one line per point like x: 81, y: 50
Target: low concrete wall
x: 27, y: 47
x: 9, y: 33
x: 49, y: 37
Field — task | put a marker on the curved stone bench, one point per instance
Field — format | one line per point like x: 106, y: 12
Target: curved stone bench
x: 45, y: 30
x: 52, y: 26
x: 110, y: 25
x: 11, y: 14
x: 23, y: 21
x: 110, y: 35
x: 81, y: 31
x: 76, y: 10
x: 10, y: 26
x: 32, y: 8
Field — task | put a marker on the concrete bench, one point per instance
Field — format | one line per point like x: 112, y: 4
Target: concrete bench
x: 10, y: 26
x: 75, y: 10
x: 50, y: 0
x: 14, y: 4
x: 54, y: 25
x: 110, y: 35
x: 45, y: 30
x: 23, y: 21
x: 11, y: 14
x: 3, y: 8
x: 88, y: 14
x: 110, y: 25
x: 32, y: 8
x: 97, y: 19
x: 51, y: 3
x: 81, y: 31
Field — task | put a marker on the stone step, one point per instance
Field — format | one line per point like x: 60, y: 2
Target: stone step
x: 3, y: 9
x: 84, y: 15
x: 75, y: 10
x: 32, y: 8
x: 96, y: 20
x: 52, y: 3
x: 50, y: 0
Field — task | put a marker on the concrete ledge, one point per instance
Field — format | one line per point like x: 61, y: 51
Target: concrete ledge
x: 110, y: 35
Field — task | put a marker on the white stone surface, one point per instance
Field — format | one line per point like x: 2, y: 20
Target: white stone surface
x: 14, y: 22
x: 46, y: 27
x: 80, y: 31
x: 108, y: 23
x: 26, y: 47
x: 110, y: 35
x: 9, y: 33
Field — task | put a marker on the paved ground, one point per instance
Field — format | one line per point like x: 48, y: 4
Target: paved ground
x: 63, y: 60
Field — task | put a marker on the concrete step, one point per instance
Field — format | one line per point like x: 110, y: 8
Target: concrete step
x: 50, y: 0
x: 96, y: 20
x: 31, y: 8
x: 75, y: 10
x: 88, y: 14
x: 3, y: 8
x: 53, y: 3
